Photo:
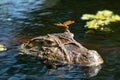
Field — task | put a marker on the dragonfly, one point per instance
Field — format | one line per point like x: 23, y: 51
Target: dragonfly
x: 65, y: 24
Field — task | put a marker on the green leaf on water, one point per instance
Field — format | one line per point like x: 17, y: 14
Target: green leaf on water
x: 100, y: 20
x: 2, y: 47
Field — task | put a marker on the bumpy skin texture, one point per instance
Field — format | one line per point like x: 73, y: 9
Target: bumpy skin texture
x: 61, y: 48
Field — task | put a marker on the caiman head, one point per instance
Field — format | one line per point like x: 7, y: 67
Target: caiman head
x: 61, y: 48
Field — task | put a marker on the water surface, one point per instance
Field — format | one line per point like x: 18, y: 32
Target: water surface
x: 21, y: 19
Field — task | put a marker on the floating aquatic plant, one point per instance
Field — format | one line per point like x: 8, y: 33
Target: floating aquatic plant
x: 2, y: 48
x: 100, y: 20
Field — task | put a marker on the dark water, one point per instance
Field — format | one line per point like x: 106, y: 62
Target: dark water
x: 21, y: 19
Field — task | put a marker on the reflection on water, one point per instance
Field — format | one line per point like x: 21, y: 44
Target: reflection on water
x: 21, y: 19
x: 76, y: 71
x: 28, y: 67
x: 13, y: 14
x: 17, y: 8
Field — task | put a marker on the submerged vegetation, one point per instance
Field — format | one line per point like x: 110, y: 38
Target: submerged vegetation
x: 100, y: 20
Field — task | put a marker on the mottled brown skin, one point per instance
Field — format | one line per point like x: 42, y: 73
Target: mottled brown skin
x: 61, y: 48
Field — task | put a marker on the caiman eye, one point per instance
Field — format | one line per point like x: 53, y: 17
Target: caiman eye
x: 49, y: 42
x: 38, y: 43
x: 41, y: 42
x: 28, y: 47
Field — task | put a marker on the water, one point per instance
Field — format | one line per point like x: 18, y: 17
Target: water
x: 21, y: 19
